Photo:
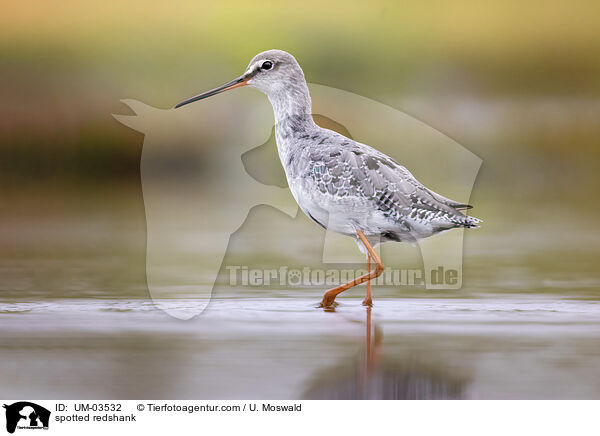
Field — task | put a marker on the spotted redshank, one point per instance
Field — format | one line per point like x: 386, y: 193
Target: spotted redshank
x: 341, y: 184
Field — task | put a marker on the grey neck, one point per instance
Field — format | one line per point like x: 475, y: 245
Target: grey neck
x: 293, y: 118
x: 291, y: 104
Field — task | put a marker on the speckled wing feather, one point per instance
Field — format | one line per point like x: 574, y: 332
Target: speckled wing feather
x: 340, y: 167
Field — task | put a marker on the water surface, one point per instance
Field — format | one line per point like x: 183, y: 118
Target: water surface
x: 543, y: 347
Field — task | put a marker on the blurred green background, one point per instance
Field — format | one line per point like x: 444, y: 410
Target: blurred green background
x: 517, y: 83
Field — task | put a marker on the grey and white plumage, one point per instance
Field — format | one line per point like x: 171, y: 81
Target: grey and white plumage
x: 341, y: 184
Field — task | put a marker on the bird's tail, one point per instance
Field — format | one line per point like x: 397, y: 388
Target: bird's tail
x: 470, y: 222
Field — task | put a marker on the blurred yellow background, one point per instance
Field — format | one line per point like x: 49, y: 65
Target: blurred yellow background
x: 530, y: 69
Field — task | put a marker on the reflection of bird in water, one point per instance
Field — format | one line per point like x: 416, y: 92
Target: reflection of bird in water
x: 341, y: 184
x: 374, y: 376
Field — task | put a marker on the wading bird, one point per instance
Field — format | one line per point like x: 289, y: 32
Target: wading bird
x: 341, y: 184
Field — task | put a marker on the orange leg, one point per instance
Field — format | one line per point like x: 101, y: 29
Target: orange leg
x: 368, y: 301
x: 329, y: 297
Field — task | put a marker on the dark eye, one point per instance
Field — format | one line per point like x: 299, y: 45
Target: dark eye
x: 266, y: 65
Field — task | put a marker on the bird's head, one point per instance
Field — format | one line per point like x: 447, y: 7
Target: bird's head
x: 271, y: 72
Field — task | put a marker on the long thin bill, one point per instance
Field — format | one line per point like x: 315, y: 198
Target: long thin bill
x: 240, y: 81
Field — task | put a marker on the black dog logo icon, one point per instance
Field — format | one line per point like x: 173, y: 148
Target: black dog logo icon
x: 26, y: 415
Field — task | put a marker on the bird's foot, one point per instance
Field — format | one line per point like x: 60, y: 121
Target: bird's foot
x: 328, y: 302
